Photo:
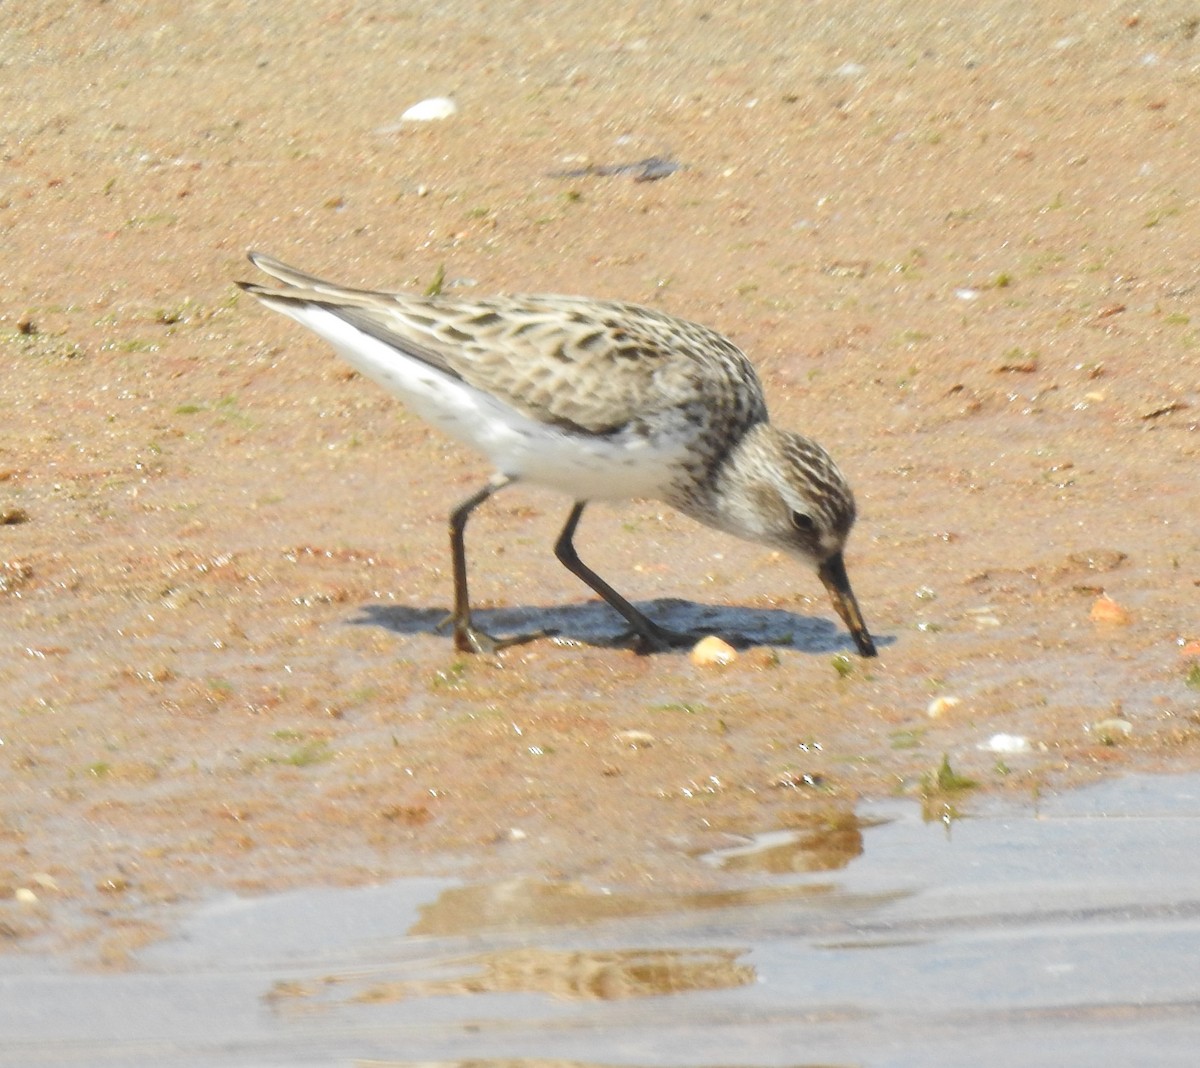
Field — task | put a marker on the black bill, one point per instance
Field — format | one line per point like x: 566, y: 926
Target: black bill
x: 833, y: 574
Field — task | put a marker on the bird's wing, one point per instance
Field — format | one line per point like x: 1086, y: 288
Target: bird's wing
x: 596, y: 366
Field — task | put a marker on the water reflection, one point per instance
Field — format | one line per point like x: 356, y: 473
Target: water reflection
x: 824, y: 842
x: 1068, y: 933
x: 585, y: 975
x: 522, y: 904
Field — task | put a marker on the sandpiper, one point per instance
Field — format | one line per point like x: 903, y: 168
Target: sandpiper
x: 596, y: 399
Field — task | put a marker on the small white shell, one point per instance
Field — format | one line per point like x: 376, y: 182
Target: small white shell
x: 634, y: 739
x: 1006, y: 743
x: 436, y: 107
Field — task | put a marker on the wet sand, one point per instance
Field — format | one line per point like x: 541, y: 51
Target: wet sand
x: 959, y: 245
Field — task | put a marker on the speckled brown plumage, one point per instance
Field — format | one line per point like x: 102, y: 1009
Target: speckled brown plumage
x: 596, y: 399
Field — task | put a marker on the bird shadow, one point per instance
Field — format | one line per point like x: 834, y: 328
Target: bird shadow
x: 594, y: 623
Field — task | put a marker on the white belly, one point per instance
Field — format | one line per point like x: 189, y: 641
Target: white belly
x: 582, y: 466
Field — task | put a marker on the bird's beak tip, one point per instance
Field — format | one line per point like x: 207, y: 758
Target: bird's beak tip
x: 833, y: 575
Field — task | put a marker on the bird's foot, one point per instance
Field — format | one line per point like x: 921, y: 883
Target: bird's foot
x: 470, y: 639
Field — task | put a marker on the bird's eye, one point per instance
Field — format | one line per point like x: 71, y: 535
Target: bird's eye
x: 804, y: 522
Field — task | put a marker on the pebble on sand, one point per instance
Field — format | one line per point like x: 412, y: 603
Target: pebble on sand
x: 1106, y: 610
x: 712, y: 652
x: 939, y: 706
x: 1110, y: 731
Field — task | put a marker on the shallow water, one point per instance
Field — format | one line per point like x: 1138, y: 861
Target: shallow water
x: 1069, y: 934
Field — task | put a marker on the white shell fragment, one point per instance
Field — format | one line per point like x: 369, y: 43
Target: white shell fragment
x: 1006, y: 743
x: 436, y: 107
x: 634, y: 739
x: 712, y: 652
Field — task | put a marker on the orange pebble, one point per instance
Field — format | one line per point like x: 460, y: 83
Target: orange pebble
x: 1191, y: 648
x: 712, y: 652
x: 1106, y: 610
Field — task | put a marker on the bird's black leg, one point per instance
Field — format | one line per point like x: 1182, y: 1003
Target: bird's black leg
x: 651, y: 638
x: 467, y: 637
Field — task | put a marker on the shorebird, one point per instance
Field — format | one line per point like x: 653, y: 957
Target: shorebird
x: 596, y: 399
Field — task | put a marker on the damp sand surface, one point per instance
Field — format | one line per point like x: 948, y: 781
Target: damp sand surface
x: 957, y: 240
